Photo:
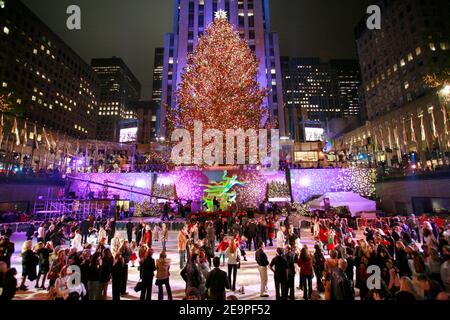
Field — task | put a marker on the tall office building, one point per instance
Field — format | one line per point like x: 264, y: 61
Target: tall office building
x: 348, y: 78
x: 316, y: 92
x: 48, y: 82
x: 405, y: 115
x: 157, y: 91
x: 413, y: 42
x: 251, y: 18
x: 119, y: 88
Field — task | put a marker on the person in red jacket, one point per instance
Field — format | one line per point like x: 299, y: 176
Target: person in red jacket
x: 222, y: 248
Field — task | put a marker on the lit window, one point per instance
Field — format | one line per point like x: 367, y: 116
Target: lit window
x: 418, y: 51
x: 444, y: 46
x: 35, y: 51
x: 33, y: 98
x: 6, y: 30
x: 406, y: 85
x: 395, y: 67
x: 402, y: 62
x: 19, y: 101
x: 4, y: 84
x: 432, y: 47
x: 2, y: 4
x: 410, y: 57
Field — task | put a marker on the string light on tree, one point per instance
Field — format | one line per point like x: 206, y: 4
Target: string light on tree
x: 219, y: 86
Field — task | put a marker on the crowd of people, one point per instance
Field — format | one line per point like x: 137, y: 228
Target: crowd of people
x: 411, y: 254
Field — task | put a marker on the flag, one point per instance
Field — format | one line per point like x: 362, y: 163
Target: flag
x: 25, y: 134
x: 383, y: 144
x: 15, y: 131
x: 47, y: 142
x: 77, y: 151
x: 444, y: 113
x: 36, y: 138
x: 413, y: 131
x: 397, y: 143
x: 1, y: 130
x: 433, y: 124
x: 405, y: 136
x: 422, y: 129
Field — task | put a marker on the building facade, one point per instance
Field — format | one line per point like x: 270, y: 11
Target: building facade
x: 157, y: 91
x: 316, y: 92
x: 251, y: 18
x: 119, y: 88
x: 413, y: 42
x: 407, y: 119
x: 147, y: 113
x: 48, y: 82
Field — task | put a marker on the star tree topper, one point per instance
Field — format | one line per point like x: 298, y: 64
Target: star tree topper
x: 221, y: 14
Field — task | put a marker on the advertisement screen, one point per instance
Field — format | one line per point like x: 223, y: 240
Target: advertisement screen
x: 128, y: 135
x: 314, y: 134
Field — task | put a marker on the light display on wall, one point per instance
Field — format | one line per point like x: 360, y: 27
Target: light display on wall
x: 165, y: 191
x: 278, y: 190
x: 258, y: 184
x: 314, y: 182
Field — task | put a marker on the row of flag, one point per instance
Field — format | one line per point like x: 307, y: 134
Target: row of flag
x: 51, y: 142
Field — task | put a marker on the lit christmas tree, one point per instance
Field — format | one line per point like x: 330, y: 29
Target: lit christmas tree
x: 219, y: 86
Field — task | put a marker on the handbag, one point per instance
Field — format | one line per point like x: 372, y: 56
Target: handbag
x: 139, y: 286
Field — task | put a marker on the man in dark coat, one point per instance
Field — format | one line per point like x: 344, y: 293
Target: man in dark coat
x: 6, y: 250
x: 84, y: 231
x: 30, y: 231
x: 138, y: 232
x: 129, y: 226
x: 281, y: 273
x: 217, y: 282
x: 147, y: 269
x: 341, y: 286
x: 111, y: 229
x: 252, y: 229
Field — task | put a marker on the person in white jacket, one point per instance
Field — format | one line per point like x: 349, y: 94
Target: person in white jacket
x: 281, y: 237
x: 76, y: 241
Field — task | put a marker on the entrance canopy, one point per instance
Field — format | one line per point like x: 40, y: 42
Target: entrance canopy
x: 353, y: 201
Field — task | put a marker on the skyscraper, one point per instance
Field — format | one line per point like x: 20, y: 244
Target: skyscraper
x: 413, y: 42
x: 316, y: 92
x: 348, y: 78
x: 119, y: 87
x: 251, y: 18
x: 157, y: 92
x: 49, y: 83
x: 407, y: 119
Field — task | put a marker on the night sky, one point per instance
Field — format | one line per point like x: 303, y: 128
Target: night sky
x: 131, y: 29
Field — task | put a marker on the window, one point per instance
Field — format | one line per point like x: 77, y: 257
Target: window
x: 6, y: 30
x: 444, y: 46
x: 418, y: 51
x: 432, y: 47
x: 410, y: 57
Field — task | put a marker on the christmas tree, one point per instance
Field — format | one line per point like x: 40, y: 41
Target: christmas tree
x: 219, y: 86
